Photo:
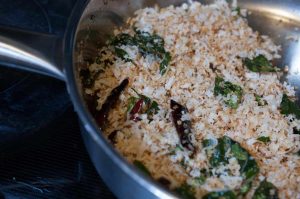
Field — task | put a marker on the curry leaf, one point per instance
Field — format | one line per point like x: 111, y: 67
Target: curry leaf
x: 259, y: 64
x: 122, y: 54
x: 289, y: 107
x: 154, y: 45
x: 248, y: 166
x: 220, y: 195
x: 246, y: 186
x: 141, y: 167
x: 219, y: 154
x: 228, y: 89
x: 164, y: 63
x: 238, y: 152
x: 264, y: 139
x: 207, y: 143
x: 200, y: 180
x: 249, y: 169
x: 237, y: 9
x: 121, y: 39
x: 146, y: 99
x: 153, y: 108
x: 266, y: 190
x: 148, y: 44
x: 185, y: 191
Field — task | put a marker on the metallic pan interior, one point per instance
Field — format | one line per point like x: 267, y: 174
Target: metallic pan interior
x: 276, y: 18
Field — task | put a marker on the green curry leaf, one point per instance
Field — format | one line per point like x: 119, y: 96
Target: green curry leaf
x: 185, y: 191
x: 259, y: 64
x: 250, y: 169
x: 141, y: 167
x: 237, y: 9
x: 264, y: 139
x: 248, y: 166
x: 219, y: 154
x: 289, y: 107
x: 238, y: 152
x: 200, y: 180
x: 266, y: 190
x: 148, y: 44
x: 165, y: 63
x: 246, y: 186
x: 220, y: 195
x: 153, y: 108
x: 207, y: 143
x: 122, y: 54
x: 121, y: 39
x: 228, y: 89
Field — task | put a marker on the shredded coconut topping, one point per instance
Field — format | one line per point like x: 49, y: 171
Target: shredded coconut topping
x: 204, y: 41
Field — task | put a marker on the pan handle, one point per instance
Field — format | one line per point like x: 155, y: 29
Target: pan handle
x: 36, y: 52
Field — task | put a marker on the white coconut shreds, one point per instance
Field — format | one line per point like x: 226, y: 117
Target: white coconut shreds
x: 204, y: 41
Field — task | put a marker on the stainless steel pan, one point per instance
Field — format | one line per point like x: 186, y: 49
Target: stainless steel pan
x: 89, y: 26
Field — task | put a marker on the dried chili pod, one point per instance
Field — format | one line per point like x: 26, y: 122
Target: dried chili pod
x: 101, y: 116
x: 164, y: 182
x: 91, y: 102
x: 112, y: 137
x: 136, y: 109
x: 183, y: 127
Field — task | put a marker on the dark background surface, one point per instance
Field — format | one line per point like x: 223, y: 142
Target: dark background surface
x: 41, y: 150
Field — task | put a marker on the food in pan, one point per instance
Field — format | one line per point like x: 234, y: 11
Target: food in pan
x: 191, y: 97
